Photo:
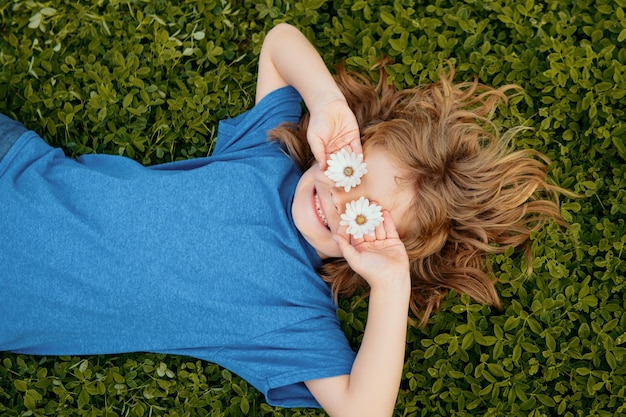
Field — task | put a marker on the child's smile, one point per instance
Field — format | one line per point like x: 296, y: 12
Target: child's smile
x: 319, y: 208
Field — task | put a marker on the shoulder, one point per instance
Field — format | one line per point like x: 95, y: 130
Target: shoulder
x: 283, y: 105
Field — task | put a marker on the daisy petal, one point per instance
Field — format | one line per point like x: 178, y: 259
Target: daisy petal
x: 345, y: 169
x: 361, y: 217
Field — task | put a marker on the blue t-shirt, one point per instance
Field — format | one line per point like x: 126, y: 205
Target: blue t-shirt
x: 103, y: 255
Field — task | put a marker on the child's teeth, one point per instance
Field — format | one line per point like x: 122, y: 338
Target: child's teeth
x: 318, y: 207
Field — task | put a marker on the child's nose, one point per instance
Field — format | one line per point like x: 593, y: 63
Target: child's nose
x: 340, y: 198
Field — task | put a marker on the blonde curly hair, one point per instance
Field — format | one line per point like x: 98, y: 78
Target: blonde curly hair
x: 474, y: 194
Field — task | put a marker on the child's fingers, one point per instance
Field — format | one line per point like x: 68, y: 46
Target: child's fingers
x: 367, y: 238
x: 389, y: 227
x: 355, y: 145
x: 357, y: 241
x: 381, y: 233
x: 319, y: 153
x: 349, y: 145
x: 377, y: 234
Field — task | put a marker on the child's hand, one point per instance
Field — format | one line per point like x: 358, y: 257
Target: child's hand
x: 332, y: 126
x: 381, y: 259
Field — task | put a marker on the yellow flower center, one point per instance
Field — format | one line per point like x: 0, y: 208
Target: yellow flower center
x: 348, y: 171
x: 360, y: 219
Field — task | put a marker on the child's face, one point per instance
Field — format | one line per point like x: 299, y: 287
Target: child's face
x: 316, y: 194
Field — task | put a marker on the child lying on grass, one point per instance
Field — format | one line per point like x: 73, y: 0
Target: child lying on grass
x: 218, y: 258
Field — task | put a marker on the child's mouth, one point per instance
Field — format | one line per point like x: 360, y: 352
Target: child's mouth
x: 318, y: 208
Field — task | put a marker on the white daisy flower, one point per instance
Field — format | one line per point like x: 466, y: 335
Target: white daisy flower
x: 361, y: 217
x: 346, y: 169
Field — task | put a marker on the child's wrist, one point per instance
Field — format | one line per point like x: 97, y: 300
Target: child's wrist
x: 323, y: 99
x: 392, y: 287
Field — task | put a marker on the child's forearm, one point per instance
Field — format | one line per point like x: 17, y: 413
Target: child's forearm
x: 377, y: 370
x: 372, y: 387
x: 287, y: 57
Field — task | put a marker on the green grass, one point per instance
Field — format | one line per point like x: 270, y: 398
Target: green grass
x: 151, y: 78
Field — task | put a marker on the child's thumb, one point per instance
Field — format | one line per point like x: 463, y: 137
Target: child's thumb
x: 347, y: 250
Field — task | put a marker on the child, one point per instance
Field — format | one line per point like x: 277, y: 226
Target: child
x: 216, y: 257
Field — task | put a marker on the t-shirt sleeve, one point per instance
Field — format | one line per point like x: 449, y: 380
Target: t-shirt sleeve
x: 278, y: 363
x: 250, y: 128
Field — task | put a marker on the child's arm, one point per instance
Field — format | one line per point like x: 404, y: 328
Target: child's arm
x: 372, y: 387
x: 287, y: 58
